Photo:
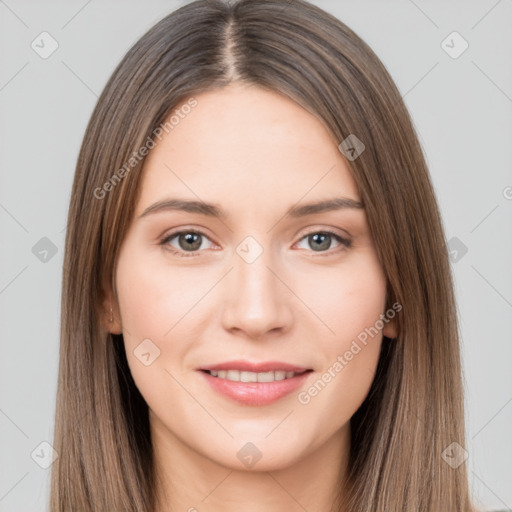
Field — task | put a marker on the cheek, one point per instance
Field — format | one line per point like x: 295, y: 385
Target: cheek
x: 154, y: 297
x: 151, y: 301
x: 155, y: 301
x: 348, y: 300
x: 351, y: 304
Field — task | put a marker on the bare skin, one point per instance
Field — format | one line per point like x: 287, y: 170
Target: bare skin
x: 255, y: 154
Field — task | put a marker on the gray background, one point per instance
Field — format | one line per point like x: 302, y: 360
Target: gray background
x: 461, y: 108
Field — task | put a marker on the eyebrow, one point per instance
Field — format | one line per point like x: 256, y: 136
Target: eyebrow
x: 215, y: 210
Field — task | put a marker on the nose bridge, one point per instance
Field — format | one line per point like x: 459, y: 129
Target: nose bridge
x: 253, y: 259
x: 257, y: 297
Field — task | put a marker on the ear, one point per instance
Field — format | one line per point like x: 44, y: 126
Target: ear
x: 390, y: 329
x: 111, y: 320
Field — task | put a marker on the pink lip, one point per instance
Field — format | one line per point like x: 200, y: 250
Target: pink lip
x: 255, y: 393
x: 268, y: 366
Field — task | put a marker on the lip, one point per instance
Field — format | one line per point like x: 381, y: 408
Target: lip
x: 255, y: 393
x: 265, y: 366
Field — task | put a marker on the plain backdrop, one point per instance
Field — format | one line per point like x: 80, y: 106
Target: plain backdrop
x: 461, y: 106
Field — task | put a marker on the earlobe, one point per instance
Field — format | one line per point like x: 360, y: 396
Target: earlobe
x: 390, y: 329
x: 110, y: 315
x: 111, y: 320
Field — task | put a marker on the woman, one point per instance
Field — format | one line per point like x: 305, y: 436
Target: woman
x: 257, y: 308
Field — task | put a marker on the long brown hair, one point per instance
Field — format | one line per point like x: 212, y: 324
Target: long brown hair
x: 414, y: 409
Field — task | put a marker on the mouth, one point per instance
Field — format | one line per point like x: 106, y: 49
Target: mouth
x: 255, y: 384
x: 246, y: 376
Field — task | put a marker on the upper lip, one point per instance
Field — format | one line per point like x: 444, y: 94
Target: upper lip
x: 266, y: 366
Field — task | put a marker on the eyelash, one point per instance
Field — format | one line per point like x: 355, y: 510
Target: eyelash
x: 343, y: 241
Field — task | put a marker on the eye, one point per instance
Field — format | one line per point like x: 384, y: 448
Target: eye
x: 189, y: 241
x: 321, y: 241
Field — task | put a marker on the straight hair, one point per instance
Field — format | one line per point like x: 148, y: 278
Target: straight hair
x: 415, y: 407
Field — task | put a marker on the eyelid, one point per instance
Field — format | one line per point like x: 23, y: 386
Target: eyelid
x: 317, y: 228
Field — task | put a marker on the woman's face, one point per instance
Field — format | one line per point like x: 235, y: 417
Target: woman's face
x: 257, y: 285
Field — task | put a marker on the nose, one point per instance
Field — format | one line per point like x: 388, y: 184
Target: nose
x: 258, y: 300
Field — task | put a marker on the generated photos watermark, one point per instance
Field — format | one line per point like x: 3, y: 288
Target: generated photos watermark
x: 143, y: 151
x: 304, y: 397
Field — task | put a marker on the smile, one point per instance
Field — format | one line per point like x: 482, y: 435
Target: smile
x: 245, y: 376
x: 254, y: 388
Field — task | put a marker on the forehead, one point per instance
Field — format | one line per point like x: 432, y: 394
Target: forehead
x: 246, y: 144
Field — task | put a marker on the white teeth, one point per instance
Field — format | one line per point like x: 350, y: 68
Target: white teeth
x: 280, y: 375
x: 266, y: 376
x: 243, y: 376
x: 233, y: 375
x: 248, y: 377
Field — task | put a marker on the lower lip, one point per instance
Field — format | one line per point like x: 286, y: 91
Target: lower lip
x: 255, y: 393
